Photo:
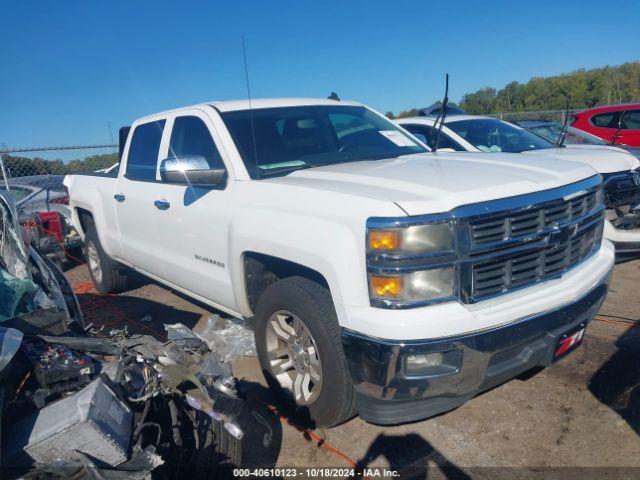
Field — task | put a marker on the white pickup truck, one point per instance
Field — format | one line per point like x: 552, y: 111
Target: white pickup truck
x: 382, y: 280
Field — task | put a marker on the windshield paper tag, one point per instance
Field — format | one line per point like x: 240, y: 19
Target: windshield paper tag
x: 398, y: 138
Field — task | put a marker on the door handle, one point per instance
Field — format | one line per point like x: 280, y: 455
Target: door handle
x: 162, y: 204
x: 119, y: 197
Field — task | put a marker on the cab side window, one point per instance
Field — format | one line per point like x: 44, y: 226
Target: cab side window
x: 143, y: 151
x: 191, y: 137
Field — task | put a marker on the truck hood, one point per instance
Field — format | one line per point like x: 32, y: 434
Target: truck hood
x: 602, y: 158
x: 439, y: 182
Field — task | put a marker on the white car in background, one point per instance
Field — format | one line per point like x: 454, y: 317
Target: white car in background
x: 619, y: 169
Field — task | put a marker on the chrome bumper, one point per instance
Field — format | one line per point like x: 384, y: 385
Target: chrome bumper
x: 387, y: 395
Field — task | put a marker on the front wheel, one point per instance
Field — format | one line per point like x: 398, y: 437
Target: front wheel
x: 300, y: 351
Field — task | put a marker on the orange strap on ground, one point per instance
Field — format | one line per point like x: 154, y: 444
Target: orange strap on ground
x: 321, y: 442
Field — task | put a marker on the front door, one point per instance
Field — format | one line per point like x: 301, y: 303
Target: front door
x: 193, y: 222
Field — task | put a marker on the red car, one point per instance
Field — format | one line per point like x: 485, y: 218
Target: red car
x: 613, y: 123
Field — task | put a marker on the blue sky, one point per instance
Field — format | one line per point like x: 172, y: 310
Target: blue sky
x: 68, y: 68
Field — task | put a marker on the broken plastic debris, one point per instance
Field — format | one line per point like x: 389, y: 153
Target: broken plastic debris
x: 178, y: 331
x: 229, y: 338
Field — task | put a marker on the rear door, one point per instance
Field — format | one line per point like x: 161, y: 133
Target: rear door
x: 193, y: 222
x: 629, y: 133
x: 135, y: 192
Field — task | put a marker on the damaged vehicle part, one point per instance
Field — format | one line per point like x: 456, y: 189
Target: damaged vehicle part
x: 42, y: 205
x: 168, y: 405
x: 33, y: 291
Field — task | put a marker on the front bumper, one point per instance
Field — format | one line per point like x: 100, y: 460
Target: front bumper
x: 387, y: 395
x: 626, y: 239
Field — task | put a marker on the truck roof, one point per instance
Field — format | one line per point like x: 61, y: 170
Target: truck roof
x: 257, y: 103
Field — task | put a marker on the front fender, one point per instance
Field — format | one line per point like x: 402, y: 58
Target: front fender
x: 333, y: 249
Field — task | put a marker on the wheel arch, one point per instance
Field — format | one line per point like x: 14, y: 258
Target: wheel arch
x: 260, y: 270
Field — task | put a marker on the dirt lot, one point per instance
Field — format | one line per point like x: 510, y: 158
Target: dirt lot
x: 583, y: 411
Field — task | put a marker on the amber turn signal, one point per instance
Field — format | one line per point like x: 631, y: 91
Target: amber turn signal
x: 386, y: 287
x: 383, y: 240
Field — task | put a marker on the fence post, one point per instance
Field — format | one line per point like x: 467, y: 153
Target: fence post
x: 4, y: 172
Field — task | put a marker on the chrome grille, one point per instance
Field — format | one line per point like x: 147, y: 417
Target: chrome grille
x: 518, y: 270
x: 511, y: 226
x: 507, y: 243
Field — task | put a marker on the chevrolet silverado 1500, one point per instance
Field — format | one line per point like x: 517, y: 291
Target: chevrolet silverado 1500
x: 382, y: 280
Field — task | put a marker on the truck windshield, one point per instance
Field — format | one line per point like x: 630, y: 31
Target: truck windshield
x: 493, y: 135
x: 285, y: 139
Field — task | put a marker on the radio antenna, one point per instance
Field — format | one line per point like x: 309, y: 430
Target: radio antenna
x: 253, y: 129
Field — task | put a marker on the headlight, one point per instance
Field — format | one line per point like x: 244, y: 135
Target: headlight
x: 430, y: 238
x: 412, y: 264
x: 421, y: 286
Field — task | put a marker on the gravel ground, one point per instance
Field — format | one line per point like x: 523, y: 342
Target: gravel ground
x: 583, y: 411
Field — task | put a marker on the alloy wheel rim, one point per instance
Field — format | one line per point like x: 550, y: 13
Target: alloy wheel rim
x: 94, y: 262
x: 293, y: 356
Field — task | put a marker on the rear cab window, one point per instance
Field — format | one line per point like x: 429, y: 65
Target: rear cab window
x: 142, y: 159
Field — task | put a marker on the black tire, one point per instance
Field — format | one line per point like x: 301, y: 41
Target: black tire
x: 312, y: 304
x: 113, y: 278
x: 220, y: 452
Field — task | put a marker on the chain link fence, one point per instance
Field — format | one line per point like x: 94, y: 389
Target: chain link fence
x: 19, y: 165
x: 33, y: 177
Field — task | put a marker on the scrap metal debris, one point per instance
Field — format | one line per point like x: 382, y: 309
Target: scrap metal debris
x: 116, y: 406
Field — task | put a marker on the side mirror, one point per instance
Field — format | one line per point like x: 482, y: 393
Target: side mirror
x: 192, y: 170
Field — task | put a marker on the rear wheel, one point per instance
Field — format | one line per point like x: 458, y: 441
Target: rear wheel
x: 300, y: 351
x: 107, y: 275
